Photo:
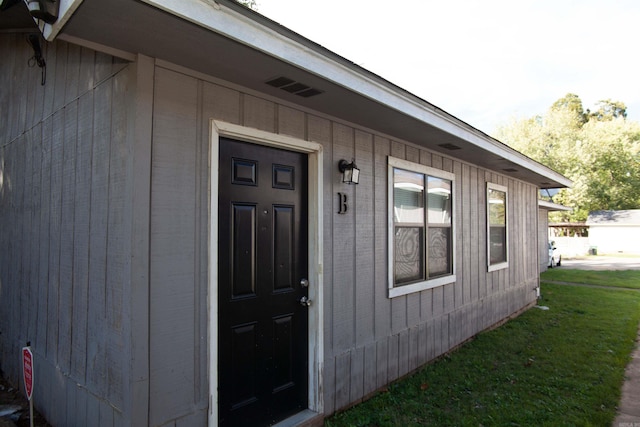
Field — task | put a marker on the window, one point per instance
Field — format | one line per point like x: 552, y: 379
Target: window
x: 497, y: 251
x: 420, y: 227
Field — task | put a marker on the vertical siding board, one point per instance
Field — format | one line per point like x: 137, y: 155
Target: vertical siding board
x: 22, y: 249
x: 221, y: 103
x: 55, y: 236
x: 414, y: 346
x: 393, y: 358
x: 96, y: 362
x: 475, y: 245
x: 72, y: 73
x: 465, y: 214
x: 66, y: 238
x: 291, y: 122
x: 403, y: 353
x: 59, y: 78
x: 13, y: 292
x: 118, y: 243
x: 343, y: 377
x: 82, y: 205
x: 259, y: 113
x: 43, y: 282
x: 482, y: 233
x: 103, y: 67
x: 173, y: 199
x: 329, y: 385
x: 365, y: 234
x: 86, y: 70
x: 201, y: 267
x: 10, y: 67
x: 460, y: 189
x: 382, y: 362
x: 35, y: 199
x: 356, y: 389
x: 382, y: 304
x: 370, y: 368
x: 343, y: 252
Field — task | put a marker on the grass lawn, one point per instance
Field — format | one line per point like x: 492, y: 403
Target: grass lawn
x: 621, y: 278
x: 563, y: 366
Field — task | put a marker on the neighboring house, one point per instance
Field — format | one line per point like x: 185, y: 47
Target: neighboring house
x: 544, y: 207
x: 613, y: 232
x: 170, y: 201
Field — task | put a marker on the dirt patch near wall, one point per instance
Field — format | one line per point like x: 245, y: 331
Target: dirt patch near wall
x: 13, y: 400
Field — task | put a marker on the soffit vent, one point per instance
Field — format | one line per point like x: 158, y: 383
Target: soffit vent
x: 294, y: 87
x: 449, y: 146
x: 510, y: 170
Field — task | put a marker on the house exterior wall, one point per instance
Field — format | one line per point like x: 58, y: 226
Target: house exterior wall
x: 97, y: 193
x: 64, y: 239
x: 369, y: 339
x: 612, y: 239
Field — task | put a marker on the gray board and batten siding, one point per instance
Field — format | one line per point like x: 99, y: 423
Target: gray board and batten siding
x: 65, y: 240
x: 104, y: 262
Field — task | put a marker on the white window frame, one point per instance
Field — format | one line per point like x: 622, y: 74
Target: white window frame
x: 504, y: 264
x: 429, y: 283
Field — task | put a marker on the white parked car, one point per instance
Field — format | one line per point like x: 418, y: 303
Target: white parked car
x: 555, y: 258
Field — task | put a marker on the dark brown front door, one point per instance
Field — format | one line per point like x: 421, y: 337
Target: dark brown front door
x: 263, y: 336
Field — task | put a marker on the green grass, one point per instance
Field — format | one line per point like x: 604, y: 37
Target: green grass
x: 621, y: 278
x: 564, y: 366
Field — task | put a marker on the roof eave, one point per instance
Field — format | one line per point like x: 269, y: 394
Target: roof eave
x: 236, y: 22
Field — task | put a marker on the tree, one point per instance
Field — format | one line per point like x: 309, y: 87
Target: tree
x: 609, y: 110
x: 251, y: 4
x: 599, y: 152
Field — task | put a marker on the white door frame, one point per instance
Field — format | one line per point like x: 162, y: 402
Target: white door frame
x: 315, y: 209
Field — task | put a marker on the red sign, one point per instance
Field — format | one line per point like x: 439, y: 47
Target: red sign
x: 27, y: 370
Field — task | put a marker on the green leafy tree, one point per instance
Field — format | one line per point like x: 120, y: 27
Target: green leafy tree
x: 599, y: 152
x: 251, y: 4
x: 609, y: 110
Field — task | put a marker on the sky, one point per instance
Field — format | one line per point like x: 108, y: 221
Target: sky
x: 486, y: 62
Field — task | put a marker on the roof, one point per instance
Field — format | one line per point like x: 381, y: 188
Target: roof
x: 230, y: 42
x: 614, y: 218
x: 550, y: 206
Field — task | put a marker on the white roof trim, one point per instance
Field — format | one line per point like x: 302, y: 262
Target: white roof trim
x: 65, y: 11
x: 550, y: 206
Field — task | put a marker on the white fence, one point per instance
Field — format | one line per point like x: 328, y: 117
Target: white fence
x: 570, y: 247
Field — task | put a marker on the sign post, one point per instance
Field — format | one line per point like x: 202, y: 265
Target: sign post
x: 27, y: 375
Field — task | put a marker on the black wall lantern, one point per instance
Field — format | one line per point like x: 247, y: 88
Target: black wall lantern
x: 46, y: 10
x: 350, y: 172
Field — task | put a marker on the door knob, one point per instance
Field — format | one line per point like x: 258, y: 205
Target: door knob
x: 304, y: 301
x: 304, y: 283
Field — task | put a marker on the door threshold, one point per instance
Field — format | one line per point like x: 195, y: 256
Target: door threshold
x: 306, y: 418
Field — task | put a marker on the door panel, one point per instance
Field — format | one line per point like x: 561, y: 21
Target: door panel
x: 263, y: 329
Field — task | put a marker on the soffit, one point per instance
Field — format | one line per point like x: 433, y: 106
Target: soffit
x: 17, y: 17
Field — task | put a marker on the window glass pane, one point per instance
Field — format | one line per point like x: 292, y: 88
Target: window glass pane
x: 497, y: 245
x: 439, y: 262
x: 408, y: 255
x: 408, y: 197
x: 497, y: 226
x: 439, y: 200
x: 497, y: 207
